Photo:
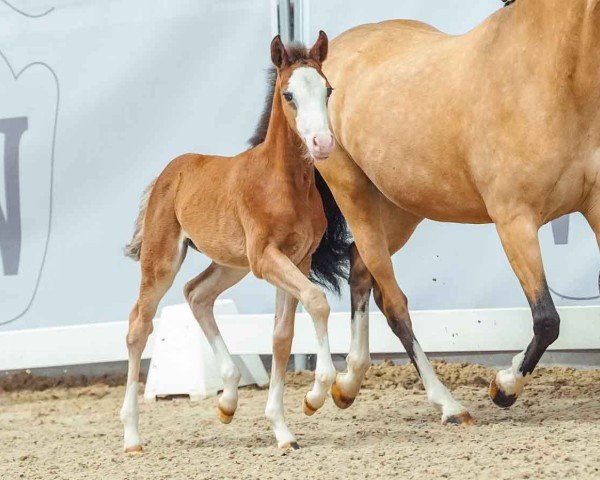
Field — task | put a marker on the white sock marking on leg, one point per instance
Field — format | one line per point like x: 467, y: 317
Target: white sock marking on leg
x: 437, y: 393
x: 274, y: 412
x: 324, y: 375
x: 130, y: 415
x: 230, y: 373
x: 359, y: 358
x: 511, y: 380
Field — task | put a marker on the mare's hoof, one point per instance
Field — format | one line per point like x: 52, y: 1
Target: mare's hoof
x: 499, y: 397
x: 309, y: 410
x: 464, y: 419
x: 288, y: 447
x: 224, y: 416
x: 135, y: 450
x: 340, y: 400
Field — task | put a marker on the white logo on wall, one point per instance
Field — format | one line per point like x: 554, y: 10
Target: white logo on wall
x: 29, y: 99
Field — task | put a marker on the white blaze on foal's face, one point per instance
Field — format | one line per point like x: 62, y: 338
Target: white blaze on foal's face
x: 307, y: 92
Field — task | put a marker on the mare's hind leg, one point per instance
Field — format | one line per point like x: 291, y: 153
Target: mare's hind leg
x: 162, y: 254
x: 201, y: 293
x: 283, y: 333
x: 361, y: 203
x: 519, y: 236
x: 393, y: 303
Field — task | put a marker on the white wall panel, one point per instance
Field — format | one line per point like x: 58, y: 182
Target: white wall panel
x: 449, y: 266
x: 135, y: 83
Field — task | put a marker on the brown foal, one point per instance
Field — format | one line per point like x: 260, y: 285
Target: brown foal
x: 259, y: 211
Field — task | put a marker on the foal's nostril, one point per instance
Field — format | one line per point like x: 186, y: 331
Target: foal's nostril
x: 322, y: 142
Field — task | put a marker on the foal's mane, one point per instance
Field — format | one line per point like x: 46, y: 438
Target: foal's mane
x: 297, y: 53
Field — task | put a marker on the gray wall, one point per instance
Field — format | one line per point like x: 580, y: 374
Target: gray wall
x: 140, y: 83
x: 113, y: 90
x: 446, y: 266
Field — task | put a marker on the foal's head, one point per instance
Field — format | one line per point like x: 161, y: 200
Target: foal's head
x: 304, y: 92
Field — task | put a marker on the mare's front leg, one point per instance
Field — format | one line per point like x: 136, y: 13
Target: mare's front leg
x: 519, y: 236
x: 201, y: 293
x: 279, y: 270
x: 283, y: 333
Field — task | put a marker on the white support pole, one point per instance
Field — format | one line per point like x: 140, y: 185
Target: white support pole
x: 285, y: 22
x: 300, y: 362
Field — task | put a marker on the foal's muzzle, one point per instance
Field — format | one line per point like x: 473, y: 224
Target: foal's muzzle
x: 321, y: 145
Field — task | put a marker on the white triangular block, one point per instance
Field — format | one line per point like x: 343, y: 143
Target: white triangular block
x: 182, y: 361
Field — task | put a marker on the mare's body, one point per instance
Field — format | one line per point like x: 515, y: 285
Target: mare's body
x: 497, y: 125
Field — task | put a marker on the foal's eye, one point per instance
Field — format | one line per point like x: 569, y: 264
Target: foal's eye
x: 329, y: 91
x: 289, y: 96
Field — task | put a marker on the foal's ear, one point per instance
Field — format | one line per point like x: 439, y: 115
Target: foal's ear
x: 318, y: 52
x: 279, y: 55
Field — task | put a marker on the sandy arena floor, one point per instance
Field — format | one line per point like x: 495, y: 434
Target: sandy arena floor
x: 390, y: 432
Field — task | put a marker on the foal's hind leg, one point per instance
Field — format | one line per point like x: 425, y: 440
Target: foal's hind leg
x: 158, y: 271
x: 519, y: 236
x: 283, y: 333
x: 201, y: 293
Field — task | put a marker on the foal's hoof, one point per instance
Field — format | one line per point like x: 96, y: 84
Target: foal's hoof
x: 288, y: 447
x: 464, y: 419
x: 499, y: 397
x: 340, y: 400
x: 135, y: 450
x: 224, y: 416
x: 307, y: 407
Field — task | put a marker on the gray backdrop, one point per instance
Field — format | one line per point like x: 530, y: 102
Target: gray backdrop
x: 447, y: 266
x: 96, y: 97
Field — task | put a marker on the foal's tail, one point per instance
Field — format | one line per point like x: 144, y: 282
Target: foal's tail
x: 133, y: 249
x: 331, y: 260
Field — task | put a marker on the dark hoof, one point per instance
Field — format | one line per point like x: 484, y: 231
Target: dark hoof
x: 499, y: 397
x: 340, y: 400
x: 288, y: 447
x: 465, y: 419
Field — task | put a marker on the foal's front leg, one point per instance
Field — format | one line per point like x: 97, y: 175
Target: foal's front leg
x: 283, y: 333
x: 279, y: 270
